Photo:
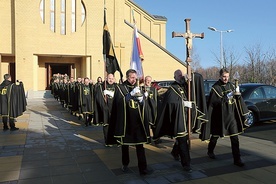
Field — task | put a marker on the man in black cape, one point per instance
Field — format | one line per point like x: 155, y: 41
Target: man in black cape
x: 172, y: 119
x: 199, y: 114
x: 227, y: 114
x: 150, y: 105
x: 104, y: 94
x: 75, y: 99
x: 86, y: 101
x: 128, y: 126
x: 12, y: 102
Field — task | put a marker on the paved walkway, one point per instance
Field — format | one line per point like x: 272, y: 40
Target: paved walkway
x: 54, y: 147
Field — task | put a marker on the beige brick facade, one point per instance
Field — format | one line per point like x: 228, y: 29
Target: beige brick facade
x: 31, y: 51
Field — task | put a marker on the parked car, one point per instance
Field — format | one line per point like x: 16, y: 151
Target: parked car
x: 260, y: 100
x: 208, y: 86
x: 162, y: 84
x: 166, y: 83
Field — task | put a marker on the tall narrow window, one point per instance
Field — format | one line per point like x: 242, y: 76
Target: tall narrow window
x: 83, y: 13
x: 73, y: 16
x: 42, y: 10
x: 75, y: 7
x: 52, y: 15
x: 62, y: 17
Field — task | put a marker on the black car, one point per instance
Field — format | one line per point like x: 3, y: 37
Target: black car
x: 260, y: 100
x: 208, y: 86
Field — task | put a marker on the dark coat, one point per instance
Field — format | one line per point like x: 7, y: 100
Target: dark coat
x: 227, y: 112
x: 103, y: 104
x: 200, y: 115
x: 151, y: 105
x: 128, y: 125
x: 12, y: 101
x: 172, y: 118
x: 86, y: 99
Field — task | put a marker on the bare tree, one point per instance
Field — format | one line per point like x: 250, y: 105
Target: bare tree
x: 195, y: 60
x: 258, y: 66
x: 231, y: 59
x: 251, y: 59
x: 271, y: 68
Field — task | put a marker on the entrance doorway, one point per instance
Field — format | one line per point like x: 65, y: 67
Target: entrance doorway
x: 61, y: 68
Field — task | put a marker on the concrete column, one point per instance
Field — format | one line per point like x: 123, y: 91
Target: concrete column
x: 91, y: 67
x: 35, y: 72
x: 1, y: 65
x: 88, y: 67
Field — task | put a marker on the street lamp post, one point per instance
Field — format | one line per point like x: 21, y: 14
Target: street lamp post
x: 221, y: 45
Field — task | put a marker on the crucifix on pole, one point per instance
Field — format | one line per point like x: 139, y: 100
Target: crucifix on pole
x: 189, y: 45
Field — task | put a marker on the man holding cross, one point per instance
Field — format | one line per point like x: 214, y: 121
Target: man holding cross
x: 172, y: 121
x: 175, y: 116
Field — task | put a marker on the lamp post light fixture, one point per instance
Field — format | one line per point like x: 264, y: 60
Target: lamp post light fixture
x: 221, y: 45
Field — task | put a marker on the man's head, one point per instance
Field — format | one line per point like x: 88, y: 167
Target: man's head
x: 179, y: 77
x: 110, y: 78
x: 65, y: 80
x: 148, y: 80
x: 79, y: 79
x: 224, y: 75
x: 131, y: 76
x: 86, y: 81
x: 7, y: 77
x: 72, y: 79
x: 99, y: 80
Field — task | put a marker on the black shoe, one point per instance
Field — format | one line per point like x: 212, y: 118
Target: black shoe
x: 14, y: 129
x: 5, y: 129
x: 187, y: 168
x: 158, y: 141
x: 239, y: 163
x: 175, y: 156
x: 211, y: 155
x: 125, y: 168
x: 146, y: 172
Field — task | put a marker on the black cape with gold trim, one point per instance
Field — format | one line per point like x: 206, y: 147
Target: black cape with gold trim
x: 86, y: 99
x: 103, y: 104
x: 227, y: 112
x: 128, y: 125
x: 151, y: 105
x: 13, y: 101
x: 171, y: 109
x: 200, y: 115
x: 172, y: 118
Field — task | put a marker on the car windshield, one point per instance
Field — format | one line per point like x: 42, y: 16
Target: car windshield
x: 242, y: 89
x: 208, y: 86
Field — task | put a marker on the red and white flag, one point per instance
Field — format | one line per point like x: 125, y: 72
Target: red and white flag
x: 137, y: 55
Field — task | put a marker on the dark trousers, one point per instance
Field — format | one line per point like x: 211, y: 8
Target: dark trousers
x: 181, y: 148
x: 5, y: 122
x: 235, y: 145
x: 105, y: 131
x: 88, y: 118
x: 141, y: 156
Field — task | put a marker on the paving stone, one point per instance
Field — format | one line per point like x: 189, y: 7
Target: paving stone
x: 52, y: 146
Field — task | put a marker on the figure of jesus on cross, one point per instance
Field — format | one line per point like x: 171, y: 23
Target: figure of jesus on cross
x: 189, y: 45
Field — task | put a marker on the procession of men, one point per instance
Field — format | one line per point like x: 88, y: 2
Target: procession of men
x: 133, y: 113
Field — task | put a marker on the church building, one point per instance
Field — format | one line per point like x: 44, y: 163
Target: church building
x: 40, y: 38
